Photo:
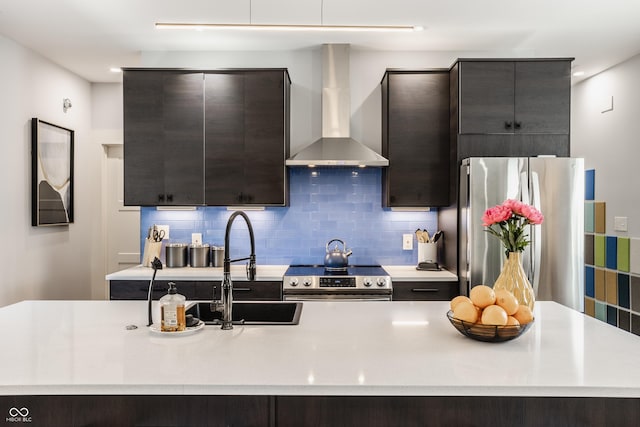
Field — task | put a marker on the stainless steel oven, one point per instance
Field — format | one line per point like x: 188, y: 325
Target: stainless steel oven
x: 353, y: 283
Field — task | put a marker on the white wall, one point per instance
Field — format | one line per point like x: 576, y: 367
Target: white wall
x: 609, y: 141
x: 44, y: 262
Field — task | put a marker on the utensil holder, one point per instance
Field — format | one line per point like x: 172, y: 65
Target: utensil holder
x: 427, y: 252
x: 151, y: 250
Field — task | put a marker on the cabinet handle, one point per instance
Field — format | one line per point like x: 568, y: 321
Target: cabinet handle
x: 161, y: 197
x: 518, y: 125
x: 424, y: 290
x: 169, y: 198
x: 242, y: 289
x: 508, y: 125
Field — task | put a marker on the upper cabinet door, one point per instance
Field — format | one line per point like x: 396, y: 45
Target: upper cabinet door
x: 543, y: 97
x: 183, y: 138
x: 415, y: 138
x: 163, y: 137
x: 224, y: 138
x: 486, y: 97
x: 265, y: 138
x: 246, y: 134
x: 143, y: 138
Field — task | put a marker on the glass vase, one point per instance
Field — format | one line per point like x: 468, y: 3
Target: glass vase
x: 513, y: 279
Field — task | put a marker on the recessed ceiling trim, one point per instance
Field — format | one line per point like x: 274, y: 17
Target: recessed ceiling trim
x: 274, y: 27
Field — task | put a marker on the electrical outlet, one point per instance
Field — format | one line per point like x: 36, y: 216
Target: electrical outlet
x: 407, y: 242
x: 620, y: 223
x: 196, y: 238
x: 164, y: 228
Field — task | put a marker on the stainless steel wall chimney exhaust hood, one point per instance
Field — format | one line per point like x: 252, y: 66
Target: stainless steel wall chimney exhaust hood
x: 336, y: 147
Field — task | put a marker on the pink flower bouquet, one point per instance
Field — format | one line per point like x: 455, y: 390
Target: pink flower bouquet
x: 510, y: 219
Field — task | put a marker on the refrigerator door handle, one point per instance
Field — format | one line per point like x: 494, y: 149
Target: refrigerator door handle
x: 524, y: 188
x: 536, y: 238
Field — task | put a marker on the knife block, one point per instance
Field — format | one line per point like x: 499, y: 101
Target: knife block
x: 151, y: 250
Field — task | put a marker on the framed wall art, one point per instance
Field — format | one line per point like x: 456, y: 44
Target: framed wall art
x: 51, y: 174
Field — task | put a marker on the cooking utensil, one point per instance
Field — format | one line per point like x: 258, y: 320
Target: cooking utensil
x: 336, y: 258
x: 436, y: 236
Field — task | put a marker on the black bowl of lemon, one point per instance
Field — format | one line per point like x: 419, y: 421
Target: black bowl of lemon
x: 490, y: 316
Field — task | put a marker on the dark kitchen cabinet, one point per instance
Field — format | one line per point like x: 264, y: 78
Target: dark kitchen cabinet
x: 424, y: 291
x: 530, y: 96
x: 247, y: 137
x: 163, y: 138
x: 206, y: 137
x: 196, y: 290
x: 510, y: 108
x: 415, y: 138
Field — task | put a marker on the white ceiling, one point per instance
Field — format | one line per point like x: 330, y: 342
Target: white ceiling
x: 90, y: 36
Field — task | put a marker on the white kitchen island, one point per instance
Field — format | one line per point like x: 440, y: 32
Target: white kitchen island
x: 373, y: 352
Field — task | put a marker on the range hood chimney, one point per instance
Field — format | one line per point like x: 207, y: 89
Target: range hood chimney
x: 336, y: 147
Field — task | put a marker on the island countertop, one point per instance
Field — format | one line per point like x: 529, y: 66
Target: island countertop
x: 339, y: 348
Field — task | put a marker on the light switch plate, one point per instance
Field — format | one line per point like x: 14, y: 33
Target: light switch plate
x: 407, y: 242
x: 620, y: 223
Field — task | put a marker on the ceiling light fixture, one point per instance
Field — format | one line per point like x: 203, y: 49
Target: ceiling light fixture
x: 285, y: 27
x: 201, y: 27
x: 578, y: 73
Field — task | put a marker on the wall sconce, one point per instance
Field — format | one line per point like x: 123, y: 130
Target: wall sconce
x: 66, y: 104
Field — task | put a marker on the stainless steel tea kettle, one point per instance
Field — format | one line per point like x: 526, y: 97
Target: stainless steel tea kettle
x: 336, y: 258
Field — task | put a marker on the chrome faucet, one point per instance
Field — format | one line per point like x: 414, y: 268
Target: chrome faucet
x: 226, y: 303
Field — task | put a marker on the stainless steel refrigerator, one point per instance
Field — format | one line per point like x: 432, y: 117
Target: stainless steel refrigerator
x: 554, y: 260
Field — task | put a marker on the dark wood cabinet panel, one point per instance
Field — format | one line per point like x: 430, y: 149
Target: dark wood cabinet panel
x: 520, y: 145
x: 416, y: 138
x: 529, y: 96
x: 246, y: 137
x: 163, y: 137
x: 321, y: 411
x: 224, y: 134
x: 487, y: 95
x: 196, y: 290
x: 447, y: 411
x: 137, y: 410
x: 543, y: 96
x: 206, y: 137
x: 424, y: 291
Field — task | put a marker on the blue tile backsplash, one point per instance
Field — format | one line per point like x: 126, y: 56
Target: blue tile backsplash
x: 325, y: 203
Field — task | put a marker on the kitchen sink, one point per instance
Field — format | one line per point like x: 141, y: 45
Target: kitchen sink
x: 251, y: 313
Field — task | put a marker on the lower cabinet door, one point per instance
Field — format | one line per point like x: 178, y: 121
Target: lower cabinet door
x: 424, y: 291
x: 195, y: 290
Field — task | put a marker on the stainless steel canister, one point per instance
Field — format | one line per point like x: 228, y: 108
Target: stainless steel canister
x: 199, y: 255
x: 217, y: 256
x: 176, y: 255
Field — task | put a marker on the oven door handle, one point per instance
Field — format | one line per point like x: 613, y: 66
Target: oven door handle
x: 351, y: 298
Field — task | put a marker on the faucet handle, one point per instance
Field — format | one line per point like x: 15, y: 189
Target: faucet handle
x: 251, y: 268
